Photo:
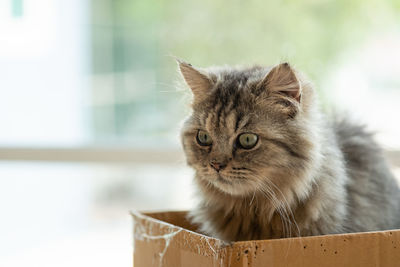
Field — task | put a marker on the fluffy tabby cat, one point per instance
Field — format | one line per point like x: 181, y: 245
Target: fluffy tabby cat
x: 269, y: 164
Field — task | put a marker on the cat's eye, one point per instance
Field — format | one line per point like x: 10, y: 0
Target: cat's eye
x: 203, y: 138
x: 247, y: 140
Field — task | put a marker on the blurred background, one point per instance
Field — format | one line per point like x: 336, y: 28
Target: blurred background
x: 90, y: 110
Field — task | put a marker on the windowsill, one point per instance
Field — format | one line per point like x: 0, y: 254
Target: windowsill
x: 116, y: 155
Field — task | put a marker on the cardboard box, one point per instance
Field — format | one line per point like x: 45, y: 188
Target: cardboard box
x: 168, y: 239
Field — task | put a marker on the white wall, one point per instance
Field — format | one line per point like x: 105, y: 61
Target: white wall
x: 44, y: 62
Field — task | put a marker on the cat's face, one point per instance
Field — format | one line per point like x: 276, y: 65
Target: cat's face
x: 243, y: 135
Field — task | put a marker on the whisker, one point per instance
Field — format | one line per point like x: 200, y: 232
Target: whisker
x: 285, y: 217
x: 251, y: 201
x: 288, y: 207
x: 283, y: 206
x: 276, y: 206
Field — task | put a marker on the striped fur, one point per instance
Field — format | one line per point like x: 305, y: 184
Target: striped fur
x: 307, y: 175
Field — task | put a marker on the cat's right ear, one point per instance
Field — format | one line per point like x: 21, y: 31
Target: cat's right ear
x: 199, y: 82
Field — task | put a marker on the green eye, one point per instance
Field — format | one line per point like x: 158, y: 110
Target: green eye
x: 247, y: 140
x: 203, y: 138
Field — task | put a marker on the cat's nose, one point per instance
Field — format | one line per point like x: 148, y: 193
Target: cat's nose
x: 218, y: 165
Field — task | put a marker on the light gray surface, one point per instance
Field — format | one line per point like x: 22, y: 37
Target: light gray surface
x: 75, y: 214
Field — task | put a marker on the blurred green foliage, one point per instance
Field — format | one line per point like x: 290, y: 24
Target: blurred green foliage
x: 134, y: 40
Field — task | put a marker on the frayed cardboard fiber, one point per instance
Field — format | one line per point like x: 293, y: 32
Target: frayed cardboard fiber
x: 168, y: 239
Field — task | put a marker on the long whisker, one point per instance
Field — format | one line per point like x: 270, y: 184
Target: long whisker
x: 268, y: 195
x: 286, y: 216
x: 287, y: 211
x: 251, y: 201
x: 277, y: 206
x: 282, y: 207
x: 287, y: 206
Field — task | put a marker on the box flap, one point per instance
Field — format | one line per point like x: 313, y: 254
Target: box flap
x: 159, y: 243
x: 161, y: 240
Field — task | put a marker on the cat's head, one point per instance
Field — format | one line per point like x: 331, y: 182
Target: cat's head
x: 249, y: 127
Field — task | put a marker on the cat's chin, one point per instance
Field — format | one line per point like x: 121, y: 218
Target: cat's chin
x: 227, y: 186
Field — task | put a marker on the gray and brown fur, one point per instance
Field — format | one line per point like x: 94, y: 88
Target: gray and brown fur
x: 307, y: 175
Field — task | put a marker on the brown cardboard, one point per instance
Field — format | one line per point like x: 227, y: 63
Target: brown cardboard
x: 168, y: 239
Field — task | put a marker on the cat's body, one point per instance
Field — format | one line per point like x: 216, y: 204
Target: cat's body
x: 303, y: 175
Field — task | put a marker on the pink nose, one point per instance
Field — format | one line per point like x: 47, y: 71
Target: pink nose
x: 217, y: 166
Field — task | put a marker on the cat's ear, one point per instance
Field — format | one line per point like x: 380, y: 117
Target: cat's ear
x: 199, y: 82
x: 282, y: 79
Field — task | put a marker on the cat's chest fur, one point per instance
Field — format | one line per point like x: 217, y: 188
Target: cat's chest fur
x: 251, y: 221
x: 256, y: 218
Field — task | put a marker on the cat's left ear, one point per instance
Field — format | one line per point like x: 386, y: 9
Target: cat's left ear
x: 282, y: 79
x: 199, y: 81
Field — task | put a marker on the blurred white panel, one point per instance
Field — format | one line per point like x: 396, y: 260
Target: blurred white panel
x: 75, y: 214
x: 43, y: 73
x: 365, y: 83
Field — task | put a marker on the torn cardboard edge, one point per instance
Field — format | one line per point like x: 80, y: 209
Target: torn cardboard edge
x: 168, y: 239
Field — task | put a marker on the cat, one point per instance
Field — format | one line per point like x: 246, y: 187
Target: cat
x: 269, y: 164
